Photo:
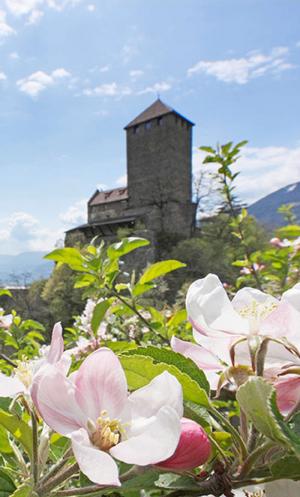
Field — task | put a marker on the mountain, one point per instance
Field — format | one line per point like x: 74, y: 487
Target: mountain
x: 26, y: 267
x: 265, y: 209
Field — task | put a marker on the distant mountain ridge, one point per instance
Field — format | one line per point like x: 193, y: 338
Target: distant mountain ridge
x: 265, y: 209
x: 14, y: 267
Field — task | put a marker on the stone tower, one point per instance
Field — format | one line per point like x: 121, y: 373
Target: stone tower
x: 159, y: 168
x: 158, y: 198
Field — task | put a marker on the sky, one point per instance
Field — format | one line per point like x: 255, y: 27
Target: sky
x: 73, y: 73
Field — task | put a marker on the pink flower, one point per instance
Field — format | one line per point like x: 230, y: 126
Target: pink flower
x: 27, y: 372
x: 193, y: 449
x: 93, y: 408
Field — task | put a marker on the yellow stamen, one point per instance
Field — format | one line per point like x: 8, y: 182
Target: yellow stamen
x: 24, y: 373
x: 256, y: 312
x: 107, y: 432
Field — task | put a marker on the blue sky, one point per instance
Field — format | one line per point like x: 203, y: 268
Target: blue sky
x: 73, y: 73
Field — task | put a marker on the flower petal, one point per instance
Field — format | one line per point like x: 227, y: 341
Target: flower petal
x: 288, y: 393
x: 57, y: 345
x: 218, y: 346
x: 210, y: 309
x: 163, y: 390
x: 54, y: 397
x: 97, y: 465
x: 150, y: 441
x: 247, y: 295
x: 10, y: 386
x: 292, y: 296
x: 282, y: 322
x: 203, y: 358
x: 101, y: 384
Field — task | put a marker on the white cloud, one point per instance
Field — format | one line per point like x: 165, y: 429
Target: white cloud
x: 39, y: 81
x: 102, y: 187
x: 76, y: 214
x: 128, y: 52
x: 298, y: 44
x: 91, y: 7
x: 21, y: 232
x: 122, y: 180
x: 262, y: 170
x: 135, y: 74
x: 60, y: 73
x: 14, y: 55
x: 33, y: 10
x: 242, y: 70
x: 35, y: 16
x: 108, y: 90
x: 2, y: 76
x: 104, y: 69
x: 266, y: 169
x: 156, y: 88
x: 22, y: 7
x: 5, y: 29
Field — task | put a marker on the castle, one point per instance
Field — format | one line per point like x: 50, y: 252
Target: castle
x: 159, y: 171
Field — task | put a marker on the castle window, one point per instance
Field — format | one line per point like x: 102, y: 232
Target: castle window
x: 135, y: 130
x: 159, y: 121
x: 148, y: 125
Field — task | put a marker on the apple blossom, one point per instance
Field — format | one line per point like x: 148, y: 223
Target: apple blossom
x: 27, y: 372
x: 93, y: 408
x: 250, y: 314
x: 193, y: 449
x: 5, y: 320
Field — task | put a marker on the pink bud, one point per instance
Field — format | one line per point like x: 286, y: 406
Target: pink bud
x: 192, y: 450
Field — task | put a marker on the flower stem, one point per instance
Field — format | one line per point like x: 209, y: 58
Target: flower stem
x: 235, y: 434
x: 62, y: 477
x: 254, y: 457
x: 35, y: 462
x: 57, y: 467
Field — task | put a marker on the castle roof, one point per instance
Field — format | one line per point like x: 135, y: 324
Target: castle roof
x: 103, y: 197
x: 157, y: 109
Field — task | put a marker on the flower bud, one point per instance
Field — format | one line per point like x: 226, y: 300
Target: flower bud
x: 192, y: 450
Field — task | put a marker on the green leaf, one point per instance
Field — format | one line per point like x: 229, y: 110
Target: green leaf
x: 18, y: 428
x: 177, y: 318
x: 175, y: 359
x: 5, y: 447
x: 287, y: 467
x: 160, y: 269
x: 141, y: 482
x: 7, y: 486
x: 98, y: 314
x: 125, y: 246
x: 3, y: 291
x: 209, y: 150
x: 256, y: 398
x: 68, y: 255
x: 84, y: 280
x: 140, y: 289
x: 177, y: 482
x: 23, y: 491
x: 140, y: 370
x: 120, y: 347
x: 197, y: 413
x: 289, y: 231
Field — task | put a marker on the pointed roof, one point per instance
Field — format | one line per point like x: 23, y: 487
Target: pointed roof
x: 157, y: 109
